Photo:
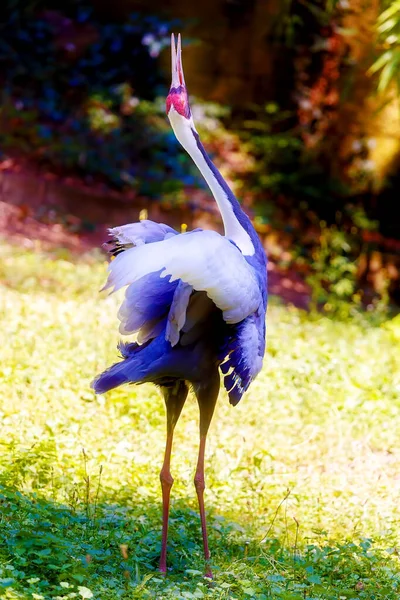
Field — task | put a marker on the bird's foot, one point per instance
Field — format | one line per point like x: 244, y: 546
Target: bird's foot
x: 208, y: 572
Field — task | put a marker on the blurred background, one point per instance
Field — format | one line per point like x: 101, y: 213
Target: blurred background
x: 297, y: 101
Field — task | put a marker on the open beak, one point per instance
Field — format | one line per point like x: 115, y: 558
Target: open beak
x: 177, y: 97
x: 176, y: 63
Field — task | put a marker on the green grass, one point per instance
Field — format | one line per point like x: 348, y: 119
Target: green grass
x: 303, y: 476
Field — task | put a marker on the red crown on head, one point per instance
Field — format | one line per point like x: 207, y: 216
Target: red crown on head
x: 177, y: 97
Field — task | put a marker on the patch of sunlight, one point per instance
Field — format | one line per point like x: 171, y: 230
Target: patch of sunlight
x: 302, y: 476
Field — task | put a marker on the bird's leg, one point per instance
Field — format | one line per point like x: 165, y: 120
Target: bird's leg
x: 166, y: 485
x: 207, y: 399
x: 174, y: 397
x: 200, y: 485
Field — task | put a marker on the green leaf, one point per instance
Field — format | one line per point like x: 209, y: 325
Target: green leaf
x: 391, y: 11
x: 314, y: 579
x: 381, y: 61
x: 84, y: 592
x: 276, y: 578
x: 249, y: 591
x: 389, y: 73
x: 387, y: 25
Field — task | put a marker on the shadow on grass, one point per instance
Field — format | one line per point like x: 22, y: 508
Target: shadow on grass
x: 49, y: 535
x: 113, y: 548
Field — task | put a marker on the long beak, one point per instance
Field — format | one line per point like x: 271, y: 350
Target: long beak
x: 176, y: 63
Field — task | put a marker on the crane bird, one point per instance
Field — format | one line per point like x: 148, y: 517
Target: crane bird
x: 197, y: 301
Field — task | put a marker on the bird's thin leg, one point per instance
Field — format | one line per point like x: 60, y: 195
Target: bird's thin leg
x: 207, y: 400
x: 166, y: 485
x: 199, y: 482
x: 174, y: 400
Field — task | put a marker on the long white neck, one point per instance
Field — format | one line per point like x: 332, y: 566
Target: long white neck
x: 186, y: 134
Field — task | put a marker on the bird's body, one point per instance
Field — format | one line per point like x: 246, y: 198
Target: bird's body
x: 182, y: 332
x: 196, y: 300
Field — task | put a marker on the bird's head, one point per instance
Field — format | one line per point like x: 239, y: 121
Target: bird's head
x: 177, y: 102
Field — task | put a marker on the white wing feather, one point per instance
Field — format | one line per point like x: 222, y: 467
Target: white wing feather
x: 205, y: 260
x: 143, y: 232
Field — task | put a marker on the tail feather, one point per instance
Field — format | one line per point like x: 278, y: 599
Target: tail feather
x: 111, y: 378
x: 117, y: 374
x: 140, y: 363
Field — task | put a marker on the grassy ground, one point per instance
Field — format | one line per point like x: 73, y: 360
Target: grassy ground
x: 303, y: 476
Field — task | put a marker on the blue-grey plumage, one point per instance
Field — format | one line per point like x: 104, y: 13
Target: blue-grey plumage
x: 196, y: 300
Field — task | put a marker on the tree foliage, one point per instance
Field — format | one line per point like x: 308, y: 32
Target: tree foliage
x: 387, y: 65
x: 78, y: 94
